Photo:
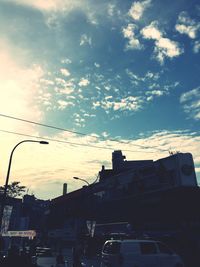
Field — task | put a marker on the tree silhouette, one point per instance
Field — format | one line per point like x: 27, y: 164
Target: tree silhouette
x: 14, y: 189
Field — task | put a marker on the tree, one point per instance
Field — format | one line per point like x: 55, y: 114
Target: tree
x: 14, y: 189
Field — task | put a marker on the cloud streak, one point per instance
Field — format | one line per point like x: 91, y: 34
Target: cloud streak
x: 191, y: 103
x: 154, y: 146
x: 130, y: 103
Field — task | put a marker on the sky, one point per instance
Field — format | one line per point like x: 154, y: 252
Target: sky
x: 107, y: 75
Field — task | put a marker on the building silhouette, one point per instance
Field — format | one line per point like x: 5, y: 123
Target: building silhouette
x: 159, y: 199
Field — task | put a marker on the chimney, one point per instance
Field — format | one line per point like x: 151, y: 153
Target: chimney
x: 64, y: 189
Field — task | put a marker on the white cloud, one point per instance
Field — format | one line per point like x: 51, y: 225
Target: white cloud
x: 148, y: 77
x: 60, y: 81
x: 133, y: 42
x: 190, y: 95
x: 64, y: 87
x: 111, y: 9
x: 85, y: 40
x: 186, y: 25
x: 196, y: 47
x: 152, y: 82
x: 151, y: 31
x: 66, y: 90
x: 137, y: 9
x: 46, y: 82
x: 66, y: 61
x: 105, y: 134
x: 167, y: 48
x: 155, y: 92
x: 152, y: 75
x: 62, y: 84
x: 80, y: 122
x: 84, y: 82
x: 188, y: 30
x: 184, y: 141
x: 158, y: 90
x: 191, y: 103
x: 164, y: 47
x: 108, y: 97
x: 62, y: 104
x: 65, y: 72
x: 89, y: 115
x: 130, y: 103
x: 45, y: 99
x: 108, y: 87
x: 97, y: 65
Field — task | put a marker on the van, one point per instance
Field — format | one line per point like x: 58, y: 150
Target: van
x: 138, y: 253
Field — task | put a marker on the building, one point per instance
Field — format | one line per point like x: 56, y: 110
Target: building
x: 130, y: 185
x: 22, y: 215
x: 156, y: 198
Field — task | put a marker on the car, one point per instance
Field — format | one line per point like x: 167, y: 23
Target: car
x: 138, y: 253
x: 45, y: 257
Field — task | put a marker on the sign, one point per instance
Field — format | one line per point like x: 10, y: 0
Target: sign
x: 91, y: 227
x: 29, y: 233
x: 6, y: 218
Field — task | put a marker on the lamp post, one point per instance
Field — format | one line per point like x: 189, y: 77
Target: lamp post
x: 77, y: 178
x: 8, y: 174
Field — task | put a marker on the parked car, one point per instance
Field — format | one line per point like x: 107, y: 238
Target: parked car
x: 45, y: 257
x: 138, y: 253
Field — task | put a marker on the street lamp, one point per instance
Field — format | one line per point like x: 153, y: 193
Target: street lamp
x: 77, y: 178
x: 8, y: 174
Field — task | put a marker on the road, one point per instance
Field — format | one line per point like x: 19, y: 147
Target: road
x: 85, y: 262
x: 94, y: 262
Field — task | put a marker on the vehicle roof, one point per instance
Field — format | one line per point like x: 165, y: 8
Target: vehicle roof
x: 131, y: 240
x: 42, y: 248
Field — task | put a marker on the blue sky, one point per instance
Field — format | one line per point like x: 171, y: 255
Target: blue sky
x: 111, y: 69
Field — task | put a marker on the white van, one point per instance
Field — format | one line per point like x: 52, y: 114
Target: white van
x: 138, y: 253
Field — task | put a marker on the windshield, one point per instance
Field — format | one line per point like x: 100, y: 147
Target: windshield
x: 111, y: 248
x: 43, y: 252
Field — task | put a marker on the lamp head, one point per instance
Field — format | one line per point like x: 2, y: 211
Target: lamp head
x: 44, y: 142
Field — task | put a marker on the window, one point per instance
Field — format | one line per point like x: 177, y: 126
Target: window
x: 164, y: 249
x: 43, y: 252
x: 148, y: 248
x: 112, y: 248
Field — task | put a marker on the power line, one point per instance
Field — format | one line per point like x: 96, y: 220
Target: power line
x: 80, y: 133
x: 68, y: 142
x: 41, y: 124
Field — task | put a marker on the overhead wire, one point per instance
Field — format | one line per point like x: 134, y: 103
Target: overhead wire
x: 83, y: 134
x: 69, y: 142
